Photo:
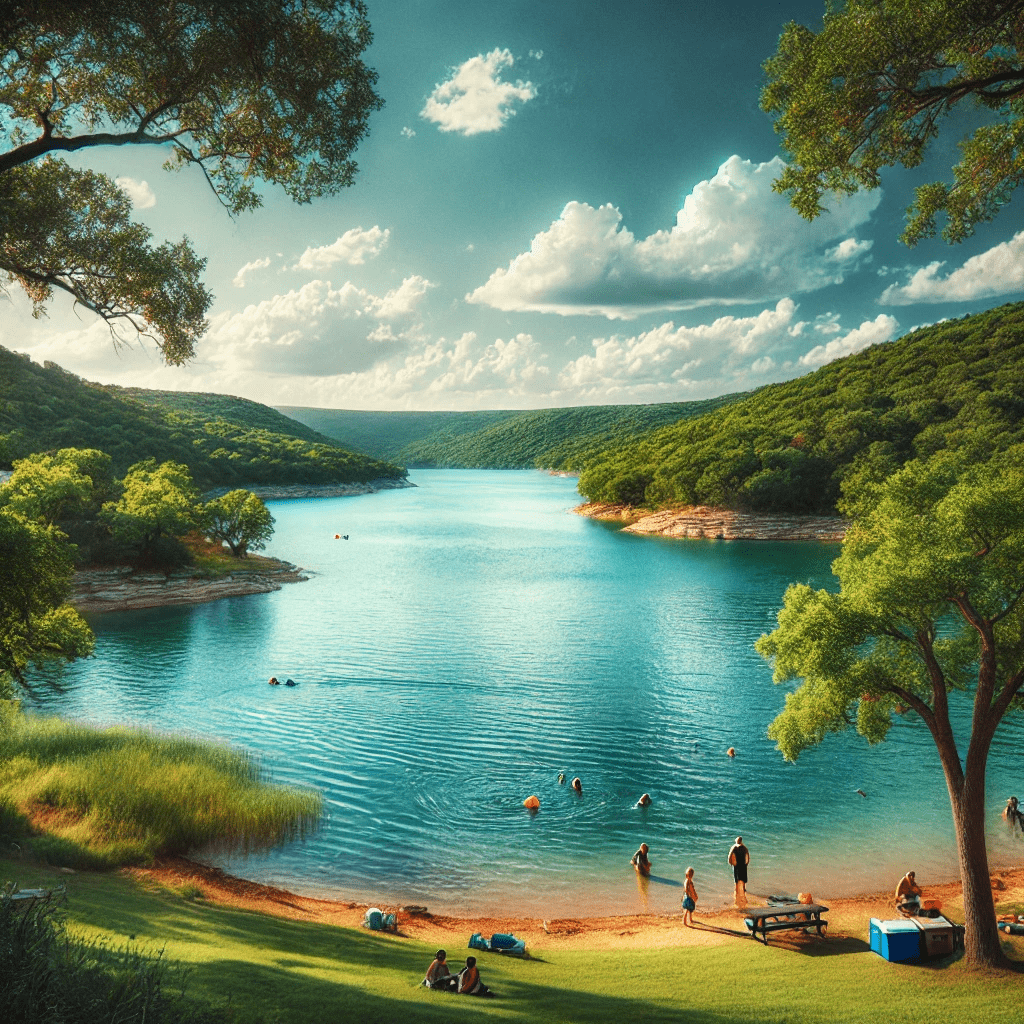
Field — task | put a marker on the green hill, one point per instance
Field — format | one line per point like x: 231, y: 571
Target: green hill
x: 43, y: 408
x: 789, y: 447
x: 504, y: 439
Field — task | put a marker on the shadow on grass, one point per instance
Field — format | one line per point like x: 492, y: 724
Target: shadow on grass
x: 316, y: 999
x: 819, y: 946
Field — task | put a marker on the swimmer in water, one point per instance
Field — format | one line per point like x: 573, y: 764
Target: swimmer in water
x: 577, y: 785
x: 641, y: 861
x: 274, y: 681
x: 644, y: 801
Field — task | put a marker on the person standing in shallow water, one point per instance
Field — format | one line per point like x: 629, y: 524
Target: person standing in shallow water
x: 739, y: 858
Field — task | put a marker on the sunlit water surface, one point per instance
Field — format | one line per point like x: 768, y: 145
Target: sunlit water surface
x: 472, y: 639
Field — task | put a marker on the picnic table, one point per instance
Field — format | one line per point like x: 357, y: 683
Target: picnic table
x: 762, y: 920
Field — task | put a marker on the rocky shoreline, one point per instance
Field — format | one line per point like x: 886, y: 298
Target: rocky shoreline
x: 274, y: 492
x: 705, y: 522
x: 122, y: 588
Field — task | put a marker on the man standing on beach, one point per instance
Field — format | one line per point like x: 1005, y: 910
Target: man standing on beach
x: 739, y: 858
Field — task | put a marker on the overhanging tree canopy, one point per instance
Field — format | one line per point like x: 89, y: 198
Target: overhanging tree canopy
x: 871, y: 89
x: 932, y: 579
x: 248, y: 91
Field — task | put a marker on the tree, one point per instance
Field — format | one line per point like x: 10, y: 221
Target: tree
x: 248, y: 91
x: 54, y: 488
x: 240, y: 520
x: 158, y: 504
x: 931, y: 579
x: 871, y: 89
x: 36, y: 624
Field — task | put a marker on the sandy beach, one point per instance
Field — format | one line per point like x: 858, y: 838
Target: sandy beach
x: 712, y: 926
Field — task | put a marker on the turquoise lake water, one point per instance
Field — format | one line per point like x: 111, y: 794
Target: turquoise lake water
x: 472, y: 639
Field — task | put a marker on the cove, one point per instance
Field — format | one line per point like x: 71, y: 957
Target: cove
x: 472, y: 639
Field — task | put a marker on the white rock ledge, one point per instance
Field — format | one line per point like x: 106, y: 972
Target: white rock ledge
x: 121, y: 588
x: 705, y: 522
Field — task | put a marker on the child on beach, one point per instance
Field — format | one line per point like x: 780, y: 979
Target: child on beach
x: 689, y: 900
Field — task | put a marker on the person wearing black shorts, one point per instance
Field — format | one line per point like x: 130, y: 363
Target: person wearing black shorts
x: 739, y: 858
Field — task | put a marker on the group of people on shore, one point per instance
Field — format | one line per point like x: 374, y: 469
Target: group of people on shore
x: 739, y: 858
x: 467, y: 982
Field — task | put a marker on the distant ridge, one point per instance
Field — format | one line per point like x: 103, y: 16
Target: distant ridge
x: 503, y: 439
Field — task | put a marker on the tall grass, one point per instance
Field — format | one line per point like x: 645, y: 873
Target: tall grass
x: 50, y: 977
x: 107, y: 797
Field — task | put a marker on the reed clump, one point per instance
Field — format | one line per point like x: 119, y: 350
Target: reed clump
x: 107, y: 797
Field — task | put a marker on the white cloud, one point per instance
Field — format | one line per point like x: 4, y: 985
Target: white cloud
x: 139, y: 192
x: 239, y: 279
x: 669, y: 353
x: 353, y: 247
x: 999, y: 271
x: 408, y: 133
x: 734, y: 241
x: 870, y: 332
x: 317, y: 330
x: 475, y: 99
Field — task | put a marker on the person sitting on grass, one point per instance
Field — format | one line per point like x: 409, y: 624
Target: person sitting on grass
x: 438, y: 975
x: 469, y: 980
x: 908, y: 895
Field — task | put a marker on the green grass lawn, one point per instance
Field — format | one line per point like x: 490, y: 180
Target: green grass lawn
x: 275, y: 969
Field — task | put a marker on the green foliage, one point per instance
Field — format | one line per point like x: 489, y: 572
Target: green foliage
x: 930, y: 602
x: 72, y: 229
x: 227, y: 443
x: 871, y: 89
x: 240, y: 520
x: 812, y: 443
x: 158, y: 501
x: 51, y: 978
x: 35, y: 623
x: 125, y: 796
x: 247, y: 90
x: 561, y: 439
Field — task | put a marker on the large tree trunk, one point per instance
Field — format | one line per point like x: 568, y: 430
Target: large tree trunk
x: 982, y: 947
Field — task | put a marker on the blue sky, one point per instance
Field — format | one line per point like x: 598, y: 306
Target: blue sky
x: 562, y: 203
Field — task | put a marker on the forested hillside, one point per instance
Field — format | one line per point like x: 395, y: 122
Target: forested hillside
x: 506, y: 439
x: 44, y: 408
x: 790, y: 447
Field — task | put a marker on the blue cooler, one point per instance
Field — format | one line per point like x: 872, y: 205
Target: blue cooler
x: 896, y: 941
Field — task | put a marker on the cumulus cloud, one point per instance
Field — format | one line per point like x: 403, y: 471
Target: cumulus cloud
x: 239, y: 279
x: 318, y: 330
x: 734, y: 241
x: 870, y: 332
x: 408, y: 133
x: 669, y: 353
x: 139, y: 192
x: 999, y: 271
x: 475, y: 99
x: 353, y: 247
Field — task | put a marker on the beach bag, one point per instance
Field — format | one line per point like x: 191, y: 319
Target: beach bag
x: 373, y: 919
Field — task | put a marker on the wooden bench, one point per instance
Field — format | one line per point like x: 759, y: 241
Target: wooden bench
x: 789, y: 917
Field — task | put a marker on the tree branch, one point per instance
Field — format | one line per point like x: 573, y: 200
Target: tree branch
x: 48, y: 144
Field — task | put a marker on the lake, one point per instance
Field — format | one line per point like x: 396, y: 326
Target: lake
x: 473, y: 639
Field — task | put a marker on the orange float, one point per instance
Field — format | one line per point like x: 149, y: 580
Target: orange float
x: 532, y: 803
